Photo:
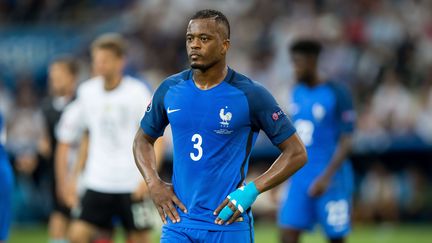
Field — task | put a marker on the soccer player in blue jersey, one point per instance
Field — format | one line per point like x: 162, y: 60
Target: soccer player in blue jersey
x: 215, y: 115
x: 6, y: 186
x: 323, y: 115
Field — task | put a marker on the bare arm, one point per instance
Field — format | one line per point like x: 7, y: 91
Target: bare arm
x: 292, y: 158
x: 82, y: 156
x: 145, y: 157
x: 341, y: 153
x: 66, y: 183
x: 142, y: 190
x: 44, y: 140
x: 61, y: 161
x: 162, y: 193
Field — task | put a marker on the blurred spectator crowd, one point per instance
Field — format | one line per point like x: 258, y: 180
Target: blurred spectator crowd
x: 381, y: 50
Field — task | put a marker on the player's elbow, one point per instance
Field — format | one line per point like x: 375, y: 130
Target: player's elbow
x: 303, y: 158
x: 299, y: 156
x: 296, y: 152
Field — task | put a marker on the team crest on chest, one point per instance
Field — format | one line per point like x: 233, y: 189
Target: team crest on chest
x: 225, y: 117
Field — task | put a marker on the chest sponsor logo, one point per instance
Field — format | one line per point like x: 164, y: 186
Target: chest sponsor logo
x: 225, y: 117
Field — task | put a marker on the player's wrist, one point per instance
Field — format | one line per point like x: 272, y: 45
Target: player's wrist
x: 152, y: 178
x: 252, y: 189
x: 244, y: 197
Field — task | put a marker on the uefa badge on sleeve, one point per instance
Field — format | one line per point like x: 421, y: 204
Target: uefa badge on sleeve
x: 276, y: 115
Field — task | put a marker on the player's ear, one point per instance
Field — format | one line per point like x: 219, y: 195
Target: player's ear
x: 225, y: 46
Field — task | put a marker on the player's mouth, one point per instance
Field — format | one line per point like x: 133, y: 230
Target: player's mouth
x: 194, y: 56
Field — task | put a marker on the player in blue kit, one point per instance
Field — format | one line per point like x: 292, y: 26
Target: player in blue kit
x: 323, y: 115
x: 215, y: 115
x: 6, y: 186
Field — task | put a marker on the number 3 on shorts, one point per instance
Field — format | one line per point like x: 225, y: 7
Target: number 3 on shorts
x: 197, y: 140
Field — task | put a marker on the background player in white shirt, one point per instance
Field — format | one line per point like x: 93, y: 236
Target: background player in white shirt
x: 110, y: 107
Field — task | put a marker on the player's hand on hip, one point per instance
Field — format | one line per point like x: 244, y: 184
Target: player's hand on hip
x: 163, y: 196
x: 319, y: 186
x: 236, y: 203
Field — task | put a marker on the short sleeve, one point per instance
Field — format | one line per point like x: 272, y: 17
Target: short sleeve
x: 155, y: 118
x: 143, y: 98
x: 269, y: 117
x: 71, y: 125
x: 345, y: 112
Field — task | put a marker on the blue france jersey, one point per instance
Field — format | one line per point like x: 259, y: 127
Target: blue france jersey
x: 213, y: 133
x: 321, y: 114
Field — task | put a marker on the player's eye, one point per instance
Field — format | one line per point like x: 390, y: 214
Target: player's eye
x: 204, y: 38
x: 189, y: 38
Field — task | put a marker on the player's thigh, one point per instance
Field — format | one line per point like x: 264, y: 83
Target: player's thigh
x: 175, y: 235
x: 97, y: 209
x: 334, y: 213
x: 6, y: 185
x: 297, y: 209
x: 139, y: 236
x: 244, y: 236
x: 81, y: 232
x: 136, y: 216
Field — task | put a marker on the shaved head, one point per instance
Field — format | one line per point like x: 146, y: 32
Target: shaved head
x: 220, y: 18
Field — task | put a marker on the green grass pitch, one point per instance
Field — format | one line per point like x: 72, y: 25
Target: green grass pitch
x: 267, y: 233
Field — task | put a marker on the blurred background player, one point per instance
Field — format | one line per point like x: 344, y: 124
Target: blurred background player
x: 62, y: 83
x: 323, y: 114
x: 110, y: 106
x: 6, y: 186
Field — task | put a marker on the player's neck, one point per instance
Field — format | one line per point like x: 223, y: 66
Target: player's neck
x: 313, y: 81
x: 112, y: 82
x: 211, y: 77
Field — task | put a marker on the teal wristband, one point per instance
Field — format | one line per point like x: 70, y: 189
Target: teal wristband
x: 242, y: 199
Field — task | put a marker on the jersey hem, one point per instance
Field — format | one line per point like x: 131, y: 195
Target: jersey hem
x: 209, y: 227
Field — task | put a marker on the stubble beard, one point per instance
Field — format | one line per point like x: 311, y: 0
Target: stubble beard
x: 203, y: 67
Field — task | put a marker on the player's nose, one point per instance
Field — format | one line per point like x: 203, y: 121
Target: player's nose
x: 195, y: 44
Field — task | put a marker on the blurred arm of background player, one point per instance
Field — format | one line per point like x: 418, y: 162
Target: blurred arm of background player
x: 320, y: 185
x: 67, y: 183
x: 159, y: 150
x: 44, y: 144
